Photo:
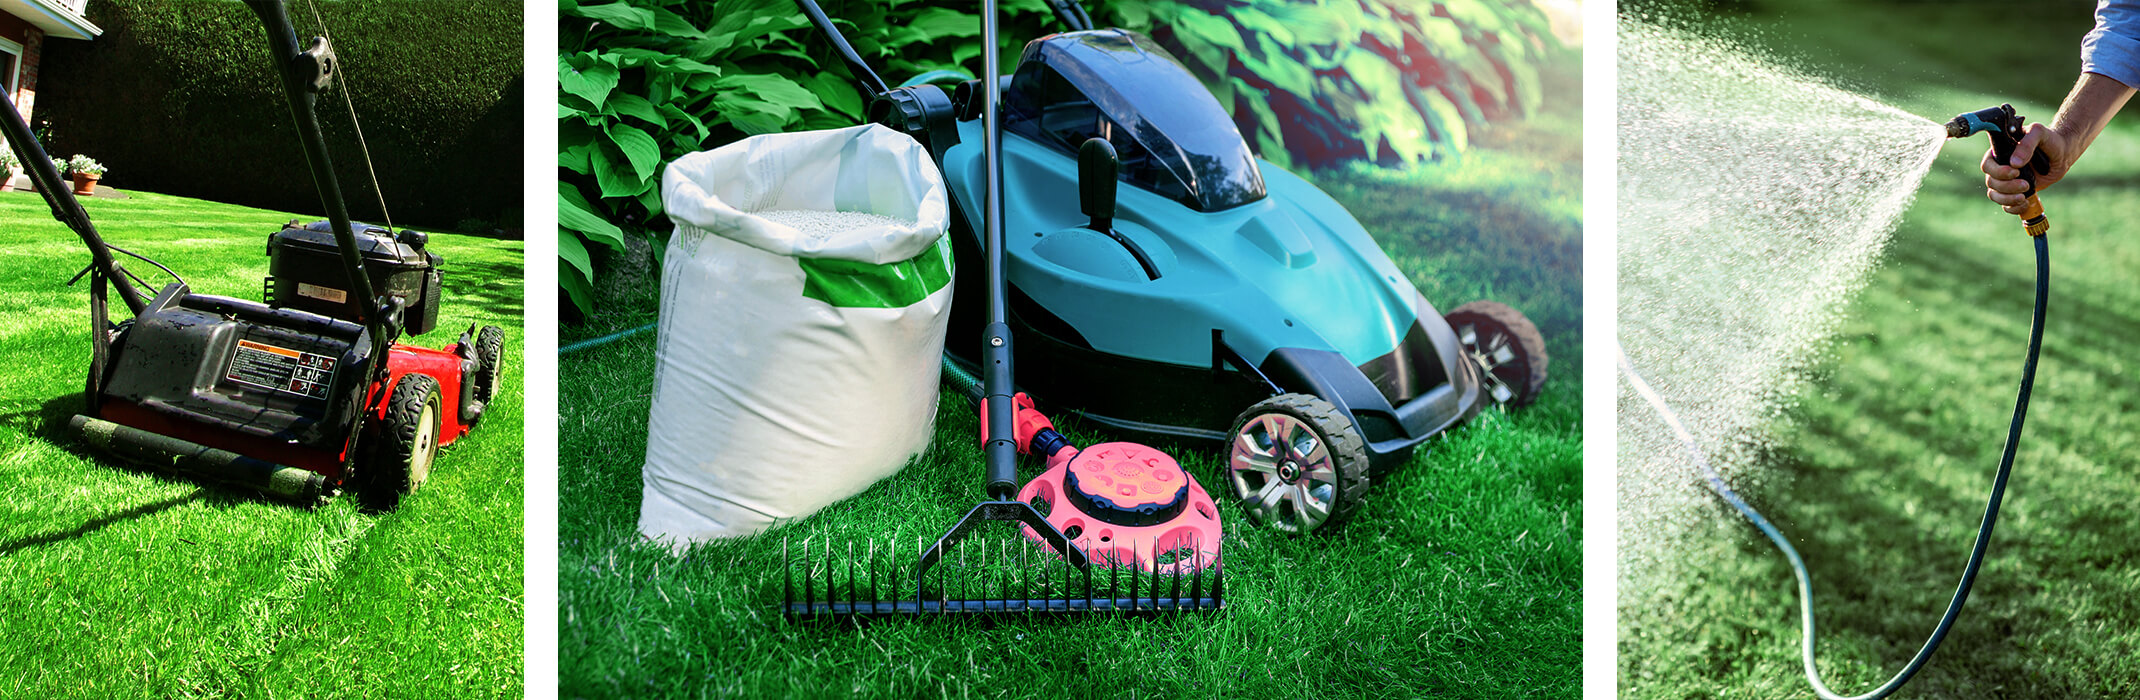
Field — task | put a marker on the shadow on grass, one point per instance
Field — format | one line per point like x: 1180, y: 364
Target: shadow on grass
x: 99, y: 522
x: 2005, y: 291
x: 492, y: 288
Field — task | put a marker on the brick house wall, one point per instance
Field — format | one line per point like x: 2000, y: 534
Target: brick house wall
x: 32, y: 39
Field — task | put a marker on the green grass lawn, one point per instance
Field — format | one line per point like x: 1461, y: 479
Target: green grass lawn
x: 1882, y: 470
x: 1461, y: 576
x: 122, y: 582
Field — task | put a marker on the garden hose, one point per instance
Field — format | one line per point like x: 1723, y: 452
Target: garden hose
x: 1798, y: 565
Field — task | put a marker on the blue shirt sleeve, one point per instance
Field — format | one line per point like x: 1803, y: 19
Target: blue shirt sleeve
x: 2112, y: 49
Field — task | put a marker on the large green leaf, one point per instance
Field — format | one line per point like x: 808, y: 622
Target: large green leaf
x: 618, y: 14
x: 588, y: 76
x: 575, y: 213
x: 836, y: 93
x: 577, y: 282
x: 771, y: 89
x: 938, y: 22
x: 630, y: 105
x: 639, y: 149
x: 613, y: 171
x: 574, y: 252
x: 674, y: 24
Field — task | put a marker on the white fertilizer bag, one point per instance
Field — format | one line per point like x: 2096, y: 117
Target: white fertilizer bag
x: 803, y: 302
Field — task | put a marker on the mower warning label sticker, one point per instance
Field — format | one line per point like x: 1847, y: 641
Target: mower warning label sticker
x: 326, y: 294
x: 281, y: 369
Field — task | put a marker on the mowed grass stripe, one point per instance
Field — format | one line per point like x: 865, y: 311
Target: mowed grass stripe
x: 127, y: 582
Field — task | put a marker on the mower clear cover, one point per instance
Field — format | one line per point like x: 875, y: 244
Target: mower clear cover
x: 1171, y: 134
x: 794, y: 369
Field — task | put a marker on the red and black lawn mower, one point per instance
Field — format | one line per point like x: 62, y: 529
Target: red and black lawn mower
x: 307, y: 394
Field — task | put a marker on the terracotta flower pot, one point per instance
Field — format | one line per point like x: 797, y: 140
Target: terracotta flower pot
x: 85, y: 184
x: 8, y: 185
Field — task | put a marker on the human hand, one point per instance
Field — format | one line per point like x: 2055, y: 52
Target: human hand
x: 2002, y: 181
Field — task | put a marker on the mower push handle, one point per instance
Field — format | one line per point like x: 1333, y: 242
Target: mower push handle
x: 305, y: 72
x: 870, y: 83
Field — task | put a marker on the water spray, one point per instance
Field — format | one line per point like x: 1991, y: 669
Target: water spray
x: 2006, y: 129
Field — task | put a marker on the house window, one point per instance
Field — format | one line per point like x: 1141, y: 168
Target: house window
x: 10, y: 66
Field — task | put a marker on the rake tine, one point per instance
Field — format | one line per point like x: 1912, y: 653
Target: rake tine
x: 1069, y: 581
x: 1196, y: 585
x: 809, y: 581
x: 852, y: 597
x: 1177, y: 584
x: 787, y: 578
x: 1134, y: 576
x: 1114, y: 575
x: 1088, y: 575
x: 1218, y: 581
x: 873, y: 575
x: 1025, y: 581
x: 1155, y: 574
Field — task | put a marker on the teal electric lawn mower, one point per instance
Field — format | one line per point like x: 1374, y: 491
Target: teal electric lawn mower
x: 1217, y: 297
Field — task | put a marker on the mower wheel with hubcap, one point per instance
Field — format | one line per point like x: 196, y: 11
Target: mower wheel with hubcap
x: 1297, y: 464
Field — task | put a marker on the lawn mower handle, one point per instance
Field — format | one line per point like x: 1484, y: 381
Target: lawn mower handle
x: 871, y: 84
x: 65, y: 208
x: 304, y: 73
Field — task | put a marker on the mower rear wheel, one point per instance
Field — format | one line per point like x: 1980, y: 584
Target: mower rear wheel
x: 1507, y: 350
x: 490, y: 353
x: 399, y: 461
x: 1298, y: 464
x: 485, y: 380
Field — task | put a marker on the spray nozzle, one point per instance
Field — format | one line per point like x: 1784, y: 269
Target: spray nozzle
x: 2000, y: 119
x: 2006, y: 129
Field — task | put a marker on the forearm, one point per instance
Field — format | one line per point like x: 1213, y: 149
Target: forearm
x: 2088, y: 108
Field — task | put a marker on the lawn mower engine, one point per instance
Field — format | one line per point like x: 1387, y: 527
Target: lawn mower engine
x: 305, y: 272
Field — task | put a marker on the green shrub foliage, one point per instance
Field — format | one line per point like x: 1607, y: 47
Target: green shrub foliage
x: 1309, y: 84
x: 178, y: 97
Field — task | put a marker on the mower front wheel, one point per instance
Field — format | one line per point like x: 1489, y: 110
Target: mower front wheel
x: 1505, y: 347
x: 399, y: 461
x: 1298, y: 464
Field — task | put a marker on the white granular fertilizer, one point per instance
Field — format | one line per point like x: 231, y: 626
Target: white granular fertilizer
x: 818, y: 222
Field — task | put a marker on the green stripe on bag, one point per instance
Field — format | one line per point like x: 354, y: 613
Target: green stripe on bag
x: 857, y: 285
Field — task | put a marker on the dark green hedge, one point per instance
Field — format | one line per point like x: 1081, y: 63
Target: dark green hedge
x: 177, y: 97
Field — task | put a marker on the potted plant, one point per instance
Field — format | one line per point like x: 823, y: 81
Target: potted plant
x: 13, y: 166
x: 86, y: 172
